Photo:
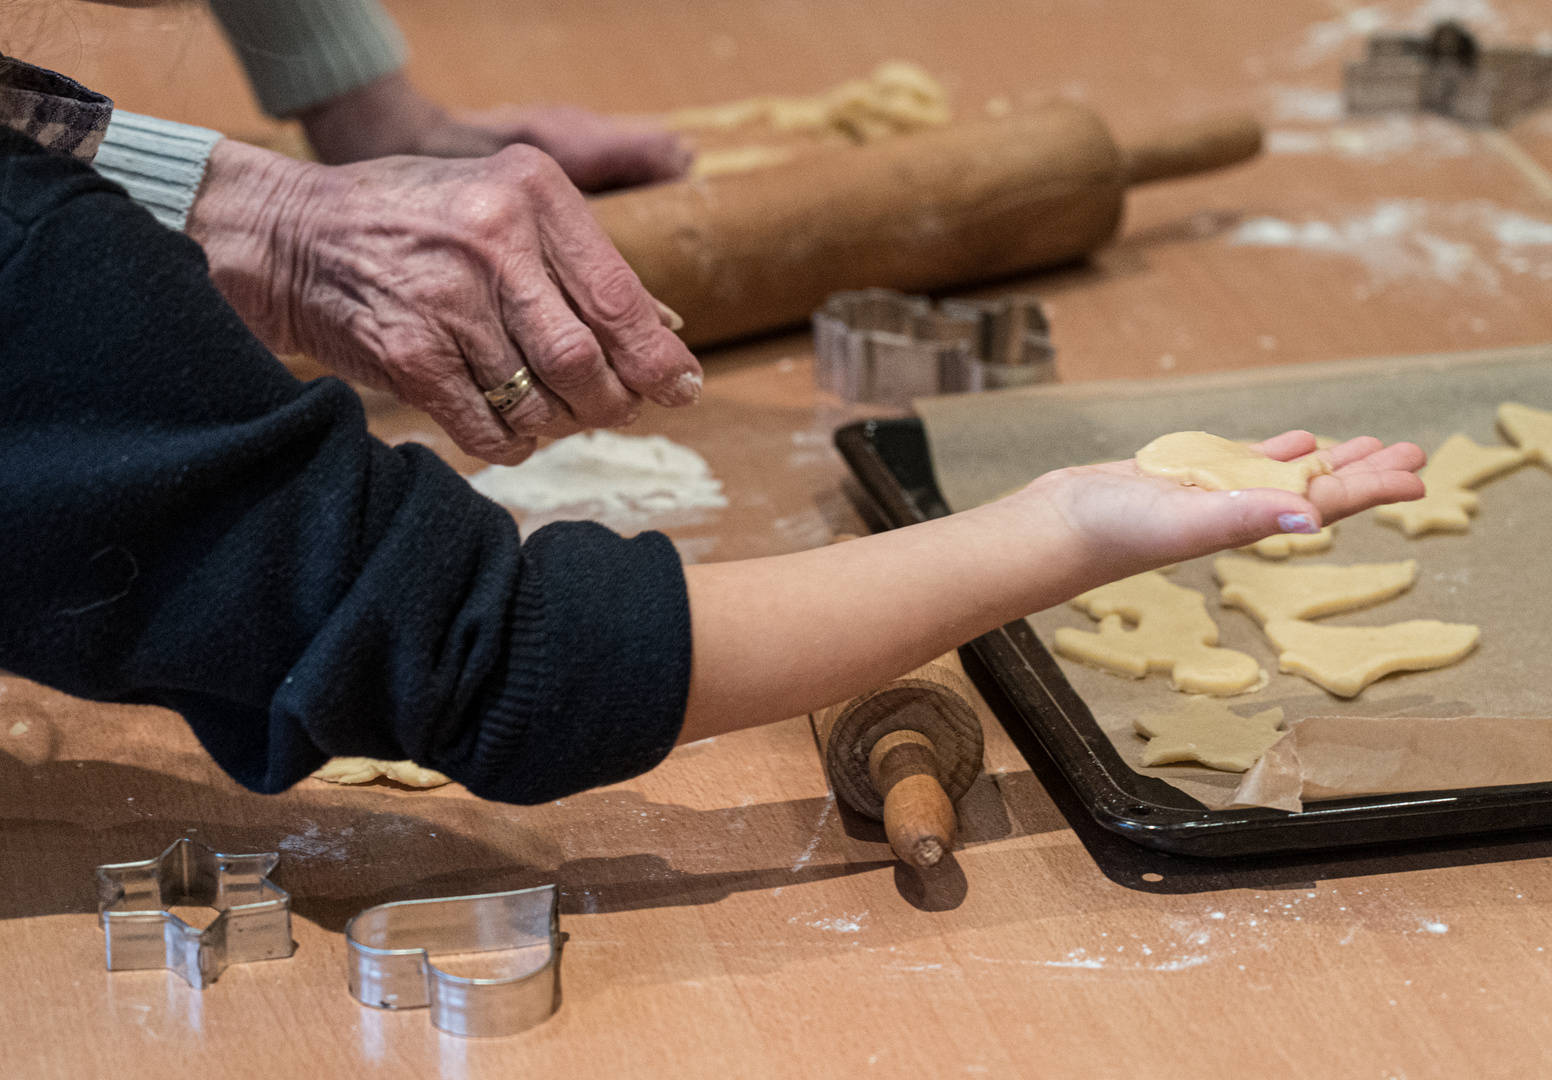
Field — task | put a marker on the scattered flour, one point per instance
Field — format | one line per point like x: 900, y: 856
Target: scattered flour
x: 1378, y: 139
x: 841, y: 924
x: 1456, y: 244
x: 1301, y: 103
x: 611, y: 474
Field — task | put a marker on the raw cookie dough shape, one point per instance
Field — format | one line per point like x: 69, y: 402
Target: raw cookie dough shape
x: 1173, y: 634
x: 1447, y: 505
x: 1216, y: 464
x: 1204, y: 729
x: 1345, y: 659
x: 1268, y: 593
x: 1283, y: 545
x: 1529, y: 429
x: 362, y: 770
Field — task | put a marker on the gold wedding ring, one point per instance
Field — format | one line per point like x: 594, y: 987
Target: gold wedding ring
x: 510, y: 392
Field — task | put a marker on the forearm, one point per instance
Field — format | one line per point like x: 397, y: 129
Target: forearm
x: 783, y: 636
x: 237, y: 218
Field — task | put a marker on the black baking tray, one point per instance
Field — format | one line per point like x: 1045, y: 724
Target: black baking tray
x: 1044, y: 715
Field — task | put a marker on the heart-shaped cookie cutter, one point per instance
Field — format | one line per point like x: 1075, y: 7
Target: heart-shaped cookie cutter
x: 391, y: 946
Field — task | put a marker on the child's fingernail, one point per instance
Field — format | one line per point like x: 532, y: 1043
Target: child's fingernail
x: 1297, y: 523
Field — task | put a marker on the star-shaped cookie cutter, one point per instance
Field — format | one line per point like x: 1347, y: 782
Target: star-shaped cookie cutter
x: 390, y: 947
x: 254, y: 921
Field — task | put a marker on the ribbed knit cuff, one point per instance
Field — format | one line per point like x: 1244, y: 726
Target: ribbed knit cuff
x: 160, y: 163
x: 301, y: 52
x: 598, y: 671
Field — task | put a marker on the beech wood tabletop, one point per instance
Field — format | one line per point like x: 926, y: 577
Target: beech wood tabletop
x: 724, y: 916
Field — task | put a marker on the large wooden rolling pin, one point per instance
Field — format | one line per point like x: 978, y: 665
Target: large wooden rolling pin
x: 904, y: 754
x: 746, y: 252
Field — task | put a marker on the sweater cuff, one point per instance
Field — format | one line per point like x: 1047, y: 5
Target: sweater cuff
x: 598, y: 670
x: 301, y: 52
x: 160, y: 163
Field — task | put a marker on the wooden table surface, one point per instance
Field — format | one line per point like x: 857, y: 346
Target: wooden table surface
x: 725, y: 917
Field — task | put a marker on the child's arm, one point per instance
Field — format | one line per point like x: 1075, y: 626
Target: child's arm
x: 783, y: 636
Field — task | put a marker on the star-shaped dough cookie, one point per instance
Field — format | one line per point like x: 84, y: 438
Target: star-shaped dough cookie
x: 1206, y: 730
x: 1172, y: 633
x: 1454, y: 467
x: 1530, y: 429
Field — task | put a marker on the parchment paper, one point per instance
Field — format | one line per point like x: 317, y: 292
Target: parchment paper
x: 1498, y: 576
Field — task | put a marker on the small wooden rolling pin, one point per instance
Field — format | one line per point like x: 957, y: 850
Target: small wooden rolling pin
x: 746, y: 252
x: 904, y: 754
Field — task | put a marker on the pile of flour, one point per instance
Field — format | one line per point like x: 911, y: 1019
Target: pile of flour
x: 610, y: 474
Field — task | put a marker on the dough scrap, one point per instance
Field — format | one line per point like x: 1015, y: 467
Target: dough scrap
x: 1529, y: 429
x: 1173, y: 634
x: 738, y: 159
x: 1207, y: 461
x: 1283, y: 545
x: 898, y: 97
x: 1446, y: 505
x: 1345, y: 659
x: 1268, y: 593
x: 362, y: 770
x: 1204, y: 729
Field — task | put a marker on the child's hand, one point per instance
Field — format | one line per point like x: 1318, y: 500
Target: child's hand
x: 1130, y: 522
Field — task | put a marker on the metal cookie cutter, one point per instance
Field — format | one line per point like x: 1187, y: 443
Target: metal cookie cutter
x: 1447, y: 72
x: 391, y: 946
x: 254, y: 921
x: 882, y: 346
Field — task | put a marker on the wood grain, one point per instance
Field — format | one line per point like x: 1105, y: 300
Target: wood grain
x: 725, y: 917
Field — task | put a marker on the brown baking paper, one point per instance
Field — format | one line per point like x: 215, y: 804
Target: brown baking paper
x: 1342, y: 757
x: 1498, y: 576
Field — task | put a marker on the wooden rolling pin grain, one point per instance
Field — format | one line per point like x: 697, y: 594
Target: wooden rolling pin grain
x: 904, y: 754
x: 742, y: 253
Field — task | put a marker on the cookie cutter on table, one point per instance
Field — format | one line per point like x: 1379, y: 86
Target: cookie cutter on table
x: 391, y: 946
x: 140, y: 933
x: 1446, y: 71
x: 881, y: 346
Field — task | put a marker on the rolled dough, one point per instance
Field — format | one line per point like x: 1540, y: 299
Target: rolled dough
x: 1530, y: 429
x: 1173, y: 633
x: 361, y: 770
x: 1446, y: 505
x: 1269, y: 593
x: 1283, y: 545
x: 1206, y: 461
x: 1204, y: 729
x: 1345, y: 659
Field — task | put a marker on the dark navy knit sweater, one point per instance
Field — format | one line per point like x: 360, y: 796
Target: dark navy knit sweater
x: 183, y: 523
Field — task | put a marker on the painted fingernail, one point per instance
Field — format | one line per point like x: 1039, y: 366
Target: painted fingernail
x: 1297, y: 523
x: 685, y: 390
x: 669, y: 317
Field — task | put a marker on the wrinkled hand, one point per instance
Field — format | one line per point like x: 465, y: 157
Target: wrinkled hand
x: 389, y: 116
x: 437, y: 280
x: 1131, y: 522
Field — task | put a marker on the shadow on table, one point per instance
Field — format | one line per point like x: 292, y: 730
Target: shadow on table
x: 344, y: 851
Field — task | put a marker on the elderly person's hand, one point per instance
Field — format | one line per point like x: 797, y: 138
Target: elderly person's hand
x: 389, y: 116
x: 437, y: 280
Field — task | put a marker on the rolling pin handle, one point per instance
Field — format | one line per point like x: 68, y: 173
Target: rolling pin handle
x: 919, y: 816
x: 1209, y: 144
